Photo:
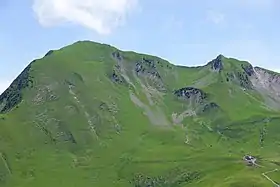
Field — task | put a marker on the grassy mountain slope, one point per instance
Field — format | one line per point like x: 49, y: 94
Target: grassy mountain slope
x: 91, y: 115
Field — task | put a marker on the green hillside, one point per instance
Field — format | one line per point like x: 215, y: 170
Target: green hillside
x: 92, y: 115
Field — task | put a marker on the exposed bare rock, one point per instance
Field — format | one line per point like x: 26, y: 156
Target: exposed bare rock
x: 244, y: 80
x: 49, y: 53
x: 147, y: 70
x: 217, y: 64
x: 119, y: 73
x: 249, y: 70
x: 267, y: 83
x: 117, y: 55
x: 191, y: 93
x: 11, y: 97
x: 210, y: 106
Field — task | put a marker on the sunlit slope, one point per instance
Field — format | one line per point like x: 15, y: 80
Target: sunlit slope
x: 91, y: 115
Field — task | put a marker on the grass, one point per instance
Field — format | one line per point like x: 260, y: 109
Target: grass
x: 47, y: 139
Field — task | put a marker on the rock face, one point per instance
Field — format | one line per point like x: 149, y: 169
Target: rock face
x: 267, y: 78
x: 147, y: 69
x: 249, y: 70
x: 267, y: 83
x: 196, y: 99
x: 13, y: 95
x: 118, y: 73
x: 116, y: 77
x: 244, y: 80
x: 217, y: 64
x: 49, y: 53
x: 117, y: 55
x: 191, y: 93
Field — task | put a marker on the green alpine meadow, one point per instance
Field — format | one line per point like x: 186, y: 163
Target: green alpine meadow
x: 91, y: 115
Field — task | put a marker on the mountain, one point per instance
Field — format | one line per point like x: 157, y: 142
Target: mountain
x: 90, y: 114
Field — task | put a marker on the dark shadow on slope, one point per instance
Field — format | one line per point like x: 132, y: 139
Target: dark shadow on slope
x: 11, y: 97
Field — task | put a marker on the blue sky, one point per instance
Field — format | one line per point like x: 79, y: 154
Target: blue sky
x: 188, y: 32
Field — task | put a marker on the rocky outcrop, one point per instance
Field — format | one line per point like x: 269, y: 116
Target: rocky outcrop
x: 116, y: 77
x: 49, y: 53
x: 117, y: 55
x: 196, y: 100
x: 249, y: 70
x: 230, y: 76
x: 148, y: 67
x: 147, y: 70
x: 191, y: 93
x: 244, y: 80
x: 242, y: 76
x: 13, y: 95
x: 210, y: 106
x: 217, y: 64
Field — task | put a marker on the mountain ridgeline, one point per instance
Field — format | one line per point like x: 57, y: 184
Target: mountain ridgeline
x: 90, y: 114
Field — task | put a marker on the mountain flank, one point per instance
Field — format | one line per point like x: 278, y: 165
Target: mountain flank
x: 89, y: 114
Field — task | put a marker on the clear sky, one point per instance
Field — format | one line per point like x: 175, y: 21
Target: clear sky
x: 188, y: 32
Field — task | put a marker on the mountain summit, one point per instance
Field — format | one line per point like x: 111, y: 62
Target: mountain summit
x: 90, y: 114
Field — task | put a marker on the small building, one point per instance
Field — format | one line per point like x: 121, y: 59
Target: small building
x: 250, y: 159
